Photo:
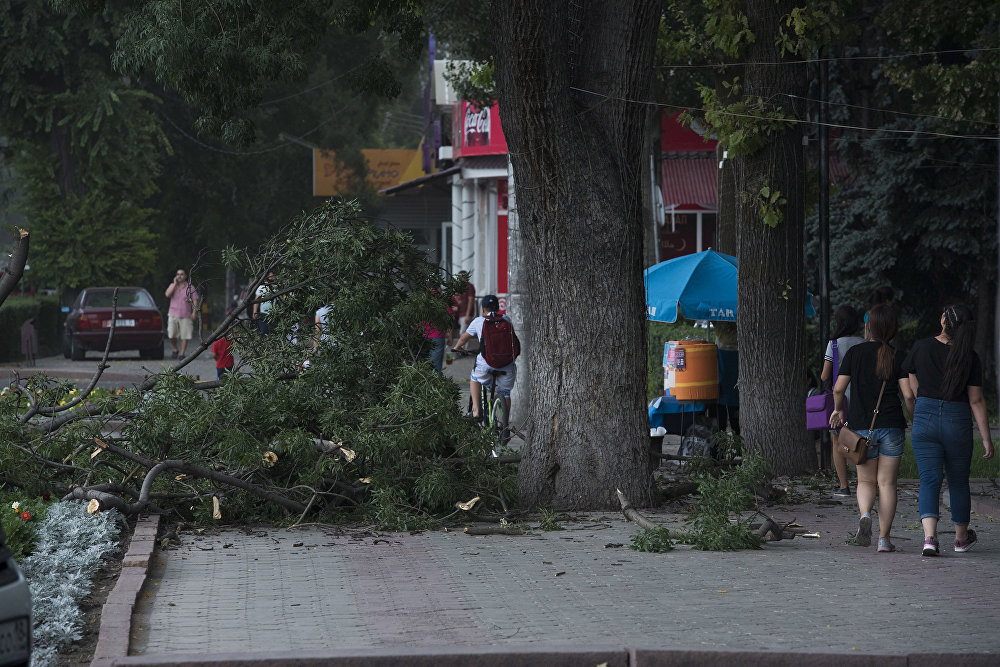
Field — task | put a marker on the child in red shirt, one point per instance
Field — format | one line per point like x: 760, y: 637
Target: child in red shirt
x: 223, y: 357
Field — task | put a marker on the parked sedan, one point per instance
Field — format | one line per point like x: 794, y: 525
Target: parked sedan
x: 15, y: 610
x: 138, y: 325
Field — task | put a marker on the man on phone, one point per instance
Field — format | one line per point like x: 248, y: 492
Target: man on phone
x: 180, y: 316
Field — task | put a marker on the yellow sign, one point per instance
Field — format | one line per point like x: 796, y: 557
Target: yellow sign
x: 386, y: 167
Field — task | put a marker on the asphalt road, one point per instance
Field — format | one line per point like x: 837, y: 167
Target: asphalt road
x: 126, y: 368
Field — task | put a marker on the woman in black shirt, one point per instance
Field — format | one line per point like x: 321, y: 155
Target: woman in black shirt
x: 946, y: 376
x: 867, y: 368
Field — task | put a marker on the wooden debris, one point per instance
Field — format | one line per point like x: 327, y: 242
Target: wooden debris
x: 631, y: 514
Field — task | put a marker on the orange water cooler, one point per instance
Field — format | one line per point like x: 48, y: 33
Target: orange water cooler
x: 692, y: 372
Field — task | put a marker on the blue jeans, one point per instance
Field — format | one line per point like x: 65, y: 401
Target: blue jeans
x: 437, y: 353
x: 942, y: 438
x: 884, y: 442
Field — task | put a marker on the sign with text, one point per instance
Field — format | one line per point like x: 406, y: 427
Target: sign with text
x: 386, y: 167
x: 476, y: 131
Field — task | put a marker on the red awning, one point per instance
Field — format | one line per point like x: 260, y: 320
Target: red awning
x: 689, y: 180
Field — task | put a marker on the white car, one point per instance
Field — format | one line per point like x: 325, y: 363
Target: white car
x: 15, y: 610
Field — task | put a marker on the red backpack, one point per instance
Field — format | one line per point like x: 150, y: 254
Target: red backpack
x: 499, y: 344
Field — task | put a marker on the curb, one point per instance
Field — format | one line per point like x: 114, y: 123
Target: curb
x: 557, y: 656
x: 116, y: 616
x: 986, y: 506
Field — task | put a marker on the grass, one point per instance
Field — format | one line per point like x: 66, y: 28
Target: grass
x: 981, y: 467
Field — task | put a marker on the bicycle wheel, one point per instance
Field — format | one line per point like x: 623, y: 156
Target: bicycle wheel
x: 499, y: 424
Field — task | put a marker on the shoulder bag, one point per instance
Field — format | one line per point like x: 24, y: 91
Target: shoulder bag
x: 819, y: 406
x: 854, y: 446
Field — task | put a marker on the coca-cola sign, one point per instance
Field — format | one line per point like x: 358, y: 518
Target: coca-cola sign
x: 477, y: 126
x: 476, y: 131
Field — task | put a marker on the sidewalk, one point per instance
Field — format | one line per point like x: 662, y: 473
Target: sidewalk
x: 310, y: 592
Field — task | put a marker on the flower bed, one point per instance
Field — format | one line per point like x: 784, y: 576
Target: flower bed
x: 60, y: 547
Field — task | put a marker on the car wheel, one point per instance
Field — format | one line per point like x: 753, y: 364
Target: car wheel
x: 66, y: 346
x: 76, y: 351
x: 157, y: 352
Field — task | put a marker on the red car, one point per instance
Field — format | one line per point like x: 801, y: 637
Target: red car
x: 139, y: 325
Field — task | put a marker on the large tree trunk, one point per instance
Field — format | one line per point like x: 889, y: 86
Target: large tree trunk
x: 771, y: 286
x: 564, y: 71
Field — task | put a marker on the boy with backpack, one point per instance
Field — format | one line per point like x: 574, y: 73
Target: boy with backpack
x: 498, y: 348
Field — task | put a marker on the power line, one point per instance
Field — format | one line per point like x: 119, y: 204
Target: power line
x: 311, y: 89
x: 898, y: 113
x: 912, y: 132
x: 821, y: 60
x: 282, y: 144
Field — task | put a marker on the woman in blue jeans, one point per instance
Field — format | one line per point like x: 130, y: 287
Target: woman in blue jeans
x: 866, y: 368
x: 946, y: 377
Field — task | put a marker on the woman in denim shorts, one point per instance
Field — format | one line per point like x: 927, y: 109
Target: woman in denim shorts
x: 865, y: 368
x: 946, y: 377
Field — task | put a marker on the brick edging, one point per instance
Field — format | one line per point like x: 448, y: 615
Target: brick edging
x: 116, y: 615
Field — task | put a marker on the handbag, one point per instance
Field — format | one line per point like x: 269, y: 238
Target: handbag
x: 820, y: 406
x: 854, y: 446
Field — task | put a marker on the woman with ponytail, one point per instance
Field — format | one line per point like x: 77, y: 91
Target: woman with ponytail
x: 866, y: 368
x: 846, y: 322
x: 946, y: 378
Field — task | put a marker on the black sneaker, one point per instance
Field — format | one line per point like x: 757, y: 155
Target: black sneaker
x: 844, y: 492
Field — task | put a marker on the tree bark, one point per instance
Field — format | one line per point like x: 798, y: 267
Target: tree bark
x: 771, y: 285
x: 567, y: 74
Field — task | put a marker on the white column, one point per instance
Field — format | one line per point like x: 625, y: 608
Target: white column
x: 469, y: 229
x: 456, y: 225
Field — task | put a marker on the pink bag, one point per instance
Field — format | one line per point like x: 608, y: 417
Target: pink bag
x: 820, y: 406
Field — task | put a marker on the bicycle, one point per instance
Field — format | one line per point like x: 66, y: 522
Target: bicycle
x: 493, y: 412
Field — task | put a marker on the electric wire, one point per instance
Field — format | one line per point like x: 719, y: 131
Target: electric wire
x: 912, y: 132
x: 831, y: 59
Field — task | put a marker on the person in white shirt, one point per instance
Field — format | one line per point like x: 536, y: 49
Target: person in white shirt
x: 481, y: 376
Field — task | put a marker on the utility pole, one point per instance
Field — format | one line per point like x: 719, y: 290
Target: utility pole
x: 996, y: 305
x: 826, y: 453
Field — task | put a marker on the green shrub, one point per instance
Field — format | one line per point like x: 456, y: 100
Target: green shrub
x: 48, y: 320
x: 652, y: 540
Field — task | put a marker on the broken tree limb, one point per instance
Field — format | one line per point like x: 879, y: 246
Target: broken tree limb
x: 110, y: 500
x: 15, y: 267
x: 631, y: 514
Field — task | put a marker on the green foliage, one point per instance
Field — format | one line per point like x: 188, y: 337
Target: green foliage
x: 221, y: 56
x: 769, y: 206
x: 473, y: 81
x: 366, y: 427
x: 726, y: 27
x: 21, y: 516
x: 745, y: 125
x: 84, y: 143
x: 722, y: 496
x: 550, y: 520
x: 652, y: 540
x: 15, y: 311
x: 809, y: 28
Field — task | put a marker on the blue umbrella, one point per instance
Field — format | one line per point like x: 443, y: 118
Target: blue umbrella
x: 702, y: 284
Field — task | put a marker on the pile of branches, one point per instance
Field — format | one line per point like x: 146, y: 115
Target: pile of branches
x: 350, y: 423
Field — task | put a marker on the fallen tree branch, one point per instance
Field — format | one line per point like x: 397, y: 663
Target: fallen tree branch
x: 631, y: 514
x: 15, y: 267
x: 86, y: 493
